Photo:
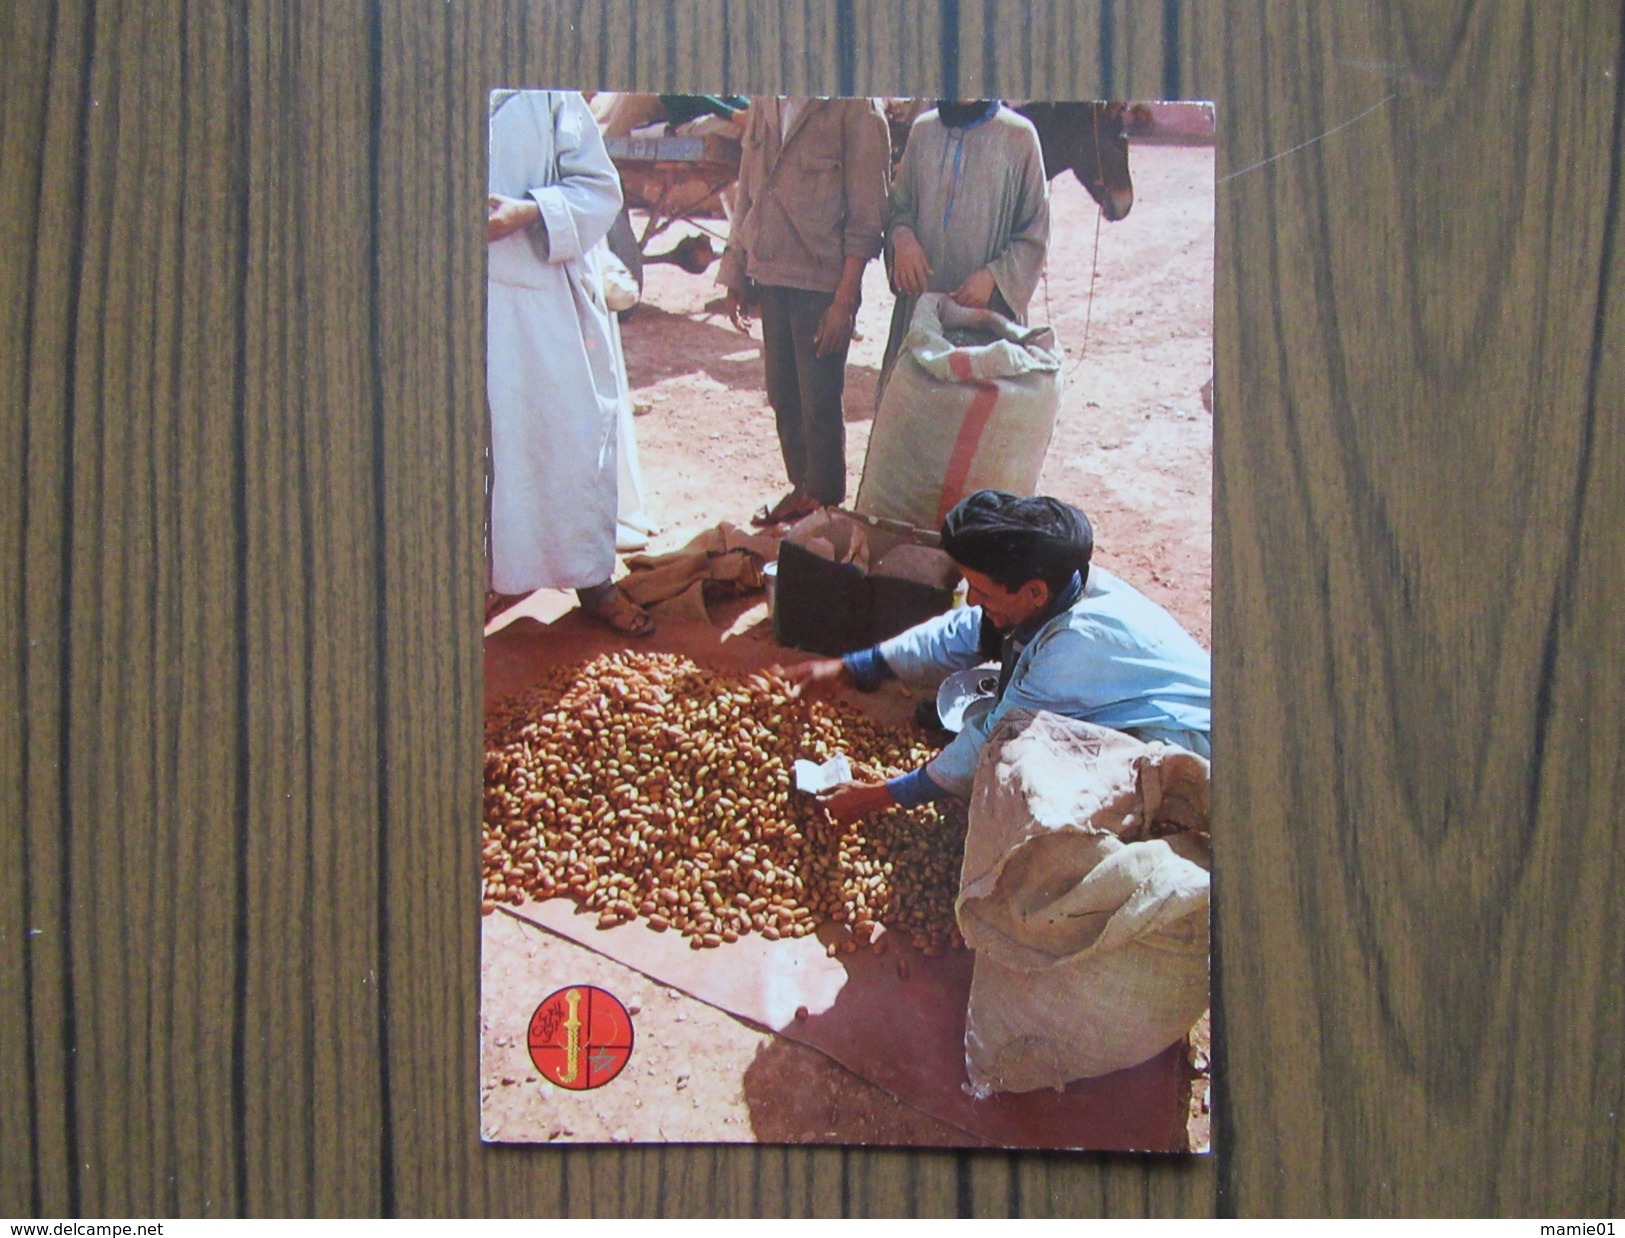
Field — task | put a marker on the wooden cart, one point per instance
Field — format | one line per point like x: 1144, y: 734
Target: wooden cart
x: 674, y: 179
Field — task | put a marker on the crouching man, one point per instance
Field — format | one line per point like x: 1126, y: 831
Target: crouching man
x: 1070, y: 638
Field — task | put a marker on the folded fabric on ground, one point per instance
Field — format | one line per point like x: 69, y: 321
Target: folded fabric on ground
x: 725, y: 559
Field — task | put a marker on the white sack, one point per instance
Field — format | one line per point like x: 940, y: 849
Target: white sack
x: 968, y: 405
x: 1091, y: 934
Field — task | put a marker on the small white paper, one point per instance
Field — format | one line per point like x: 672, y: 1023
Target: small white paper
x: 816, y: 779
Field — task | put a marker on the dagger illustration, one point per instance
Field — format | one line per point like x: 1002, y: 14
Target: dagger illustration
x: 572, y: 1037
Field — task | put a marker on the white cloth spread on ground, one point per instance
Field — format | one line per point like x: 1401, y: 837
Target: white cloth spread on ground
x: 550, y: 372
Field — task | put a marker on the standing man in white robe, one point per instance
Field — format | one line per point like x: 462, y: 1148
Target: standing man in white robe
x: 550, y: 364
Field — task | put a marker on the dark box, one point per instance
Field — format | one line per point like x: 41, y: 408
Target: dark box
x: 832, y: 608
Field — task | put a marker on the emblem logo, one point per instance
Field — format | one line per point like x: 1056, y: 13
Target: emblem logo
x: 580, y: 1037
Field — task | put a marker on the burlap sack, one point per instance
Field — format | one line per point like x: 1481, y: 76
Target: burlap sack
x: 969, y: 404
x: 1090, y: 931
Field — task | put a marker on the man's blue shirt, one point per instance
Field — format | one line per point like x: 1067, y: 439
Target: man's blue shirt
x: 1104, y: 654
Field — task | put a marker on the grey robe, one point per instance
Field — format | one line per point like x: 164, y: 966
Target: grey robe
x: 974, y: 197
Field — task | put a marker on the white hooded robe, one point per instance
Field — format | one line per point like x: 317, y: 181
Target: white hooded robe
x: 551, y: 379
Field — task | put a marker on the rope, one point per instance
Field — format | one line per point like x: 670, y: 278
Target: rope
x: 1094, y: 261
x: 1094, y: 271
x: 1089, y: 315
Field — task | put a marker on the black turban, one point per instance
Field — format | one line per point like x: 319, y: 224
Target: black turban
x: 1014, y: 540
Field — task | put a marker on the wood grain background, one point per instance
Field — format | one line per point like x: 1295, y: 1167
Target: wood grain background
x: 241, y: 263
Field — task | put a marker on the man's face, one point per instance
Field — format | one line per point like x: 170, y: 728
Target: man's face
x: 1007, y: 608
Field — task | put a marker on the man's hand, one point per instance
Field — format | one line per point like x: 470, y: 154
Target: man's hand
x: 909, y: 269
x: 977, y: 290
x: 835, y: 327
x: 816, y: 678
x: 852, y: 801
x: 736, y: 311
x: 509, y: 215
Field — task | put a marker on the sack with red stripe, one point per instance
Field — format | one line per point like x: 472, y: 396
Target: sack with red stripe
x: 969, y: 405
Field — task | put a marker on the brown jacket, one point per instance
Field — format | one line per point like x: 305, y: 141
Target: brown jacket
x: 806, y: 203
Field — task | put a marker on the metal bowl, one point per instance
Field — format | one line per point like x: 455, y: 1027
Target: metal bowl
x: 960, y: 698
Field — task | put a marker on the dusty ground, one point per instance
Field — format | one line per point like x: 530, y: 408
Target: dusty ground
x: 1132, y: 447
x: 700, y: 1074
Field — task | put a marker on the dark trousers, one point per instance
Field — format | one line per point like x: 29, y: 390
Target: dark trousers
x: 805, y: 391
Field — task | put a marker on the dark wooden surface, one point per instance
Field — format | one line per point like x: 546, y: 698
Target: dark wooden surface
x: 241, y: 262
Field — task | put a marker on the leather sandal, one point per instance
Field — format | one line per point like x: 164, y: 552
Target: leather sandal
x: 621, y: 614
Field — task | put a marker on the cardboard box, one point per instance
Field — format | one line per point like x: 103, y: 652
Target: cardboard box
x: 892, y: 577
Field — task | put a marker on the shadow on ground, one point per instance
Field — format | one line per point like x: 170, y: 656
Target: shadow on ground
x: 797, y: 1095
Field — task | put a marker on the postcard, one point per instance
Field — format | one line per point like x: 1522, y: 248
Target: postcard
x: 848, y: 689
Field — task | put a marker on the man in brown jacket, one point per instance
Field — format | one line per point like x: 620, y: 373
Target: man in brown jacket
x: 811, y: 205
